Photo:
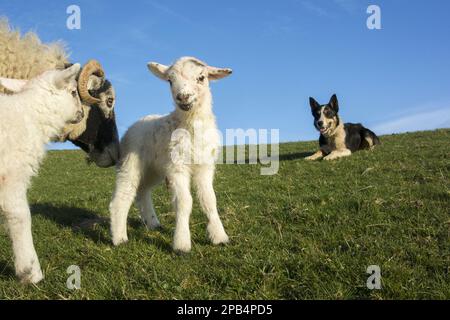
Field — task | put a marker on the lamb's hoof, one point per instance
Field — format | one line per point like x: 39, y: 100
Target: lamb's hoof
x: 217, y: 234
x: 182, y: 247
x: 119, y: 241
x: 182, y: 250
x: 218, y: 239
x: 181, y: 253
x: 30, y: 276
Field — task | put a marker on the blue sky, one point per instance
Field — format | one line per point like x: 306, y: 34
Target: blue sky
x: 392, y: 80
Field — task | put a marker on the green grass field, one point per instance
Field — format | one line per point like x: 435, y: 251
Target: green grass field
x: 309, y: 232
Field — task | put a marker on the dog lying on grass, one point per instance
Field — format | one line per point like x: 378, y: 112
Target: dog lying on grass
x: 338, y: 139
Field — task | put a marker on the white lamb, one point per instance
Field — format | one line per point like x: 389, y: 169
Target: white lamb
x: 175, y: 148
x: 29, y: 119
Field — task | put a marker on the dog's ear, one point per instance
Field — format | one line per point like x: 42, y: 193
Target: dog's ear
x: 313, y: 103
x: 334, y: 104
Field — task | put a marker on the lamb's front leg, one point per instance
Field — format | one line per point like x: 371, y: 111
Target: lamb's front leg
x: 179, y: 184
x: 18, y: 219
x: 203, y: 178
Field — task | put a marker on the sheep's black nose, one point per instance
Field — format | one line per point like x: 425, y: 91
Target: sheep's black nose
x: 320, y: 123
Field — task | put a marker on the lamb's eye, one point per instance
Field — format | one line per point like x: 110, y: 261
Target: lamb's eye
x: 110, y: 102
x: 74, y: 93
x: 201, y: 79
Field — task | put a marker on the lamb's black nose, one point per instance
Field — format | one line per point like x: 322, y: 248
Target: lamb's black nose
x: 320, y: 123
x: 183, y: 97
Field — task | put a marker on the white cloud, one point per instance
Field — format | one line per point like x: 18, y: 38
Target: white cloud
x: 348, y: 5
x: 417, y: 121
x: 170, y: 12
x: 314, y: 8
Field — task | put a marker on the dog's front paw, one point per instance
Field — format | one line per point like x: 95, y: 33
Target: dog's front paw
x: 338, y: 155
x: 316, y: 156
x: 311, y: 158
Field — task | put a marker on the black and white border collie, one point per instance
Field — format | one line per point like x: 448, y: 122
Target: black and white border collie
x: 337, y: 139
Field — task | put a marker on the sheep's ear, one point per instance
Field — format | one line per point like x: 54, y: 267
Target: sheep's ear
x: 313, y: 103
x: 65, y: 77
x: 158, y: 70
x: 218, y: 73
x: 13, y: 85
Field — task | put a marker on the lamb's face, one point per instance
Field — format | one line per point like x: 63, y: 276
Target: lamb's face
x: 188, y: 83
x: 189, y: 80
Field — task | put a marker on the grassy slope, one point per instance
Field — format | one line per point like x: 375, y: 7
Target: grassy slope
x: 308, y: 232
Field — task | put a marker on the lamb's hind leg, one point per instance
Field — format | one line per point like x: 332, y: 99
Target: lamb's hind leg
x: 204, y: 177
x: 145, y: 203
x: 18, y: 220
x: 128, y: 179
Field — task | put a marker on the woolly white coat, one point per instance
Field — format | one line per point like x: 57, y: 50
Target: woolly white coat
x: 28, y: 121
x: 178, y: 148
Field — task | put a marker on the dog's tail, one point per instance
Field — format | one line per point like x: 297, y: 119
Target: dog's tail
x: 371, y: 138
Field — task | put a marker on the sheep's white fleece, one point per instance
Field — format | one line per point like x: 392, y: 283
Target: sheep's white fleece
x: 26, y: 57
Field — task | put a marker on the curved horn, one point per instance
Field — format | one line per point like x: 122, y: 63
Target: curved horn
x: 92, y: 67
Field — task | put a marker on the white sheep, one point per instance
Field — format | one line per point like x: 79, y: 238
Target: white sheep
x: 177, y: 148
x: 25, y: 57
x: 29, y: 119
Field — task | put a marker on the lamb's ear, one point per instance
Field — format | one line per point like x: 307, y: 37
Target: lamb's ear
x: 334, y: 104
x: 218, y: 73
x: 13, y: 85
x: 64, y: 77
x: 313, y: 103
x: 158, y: 70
